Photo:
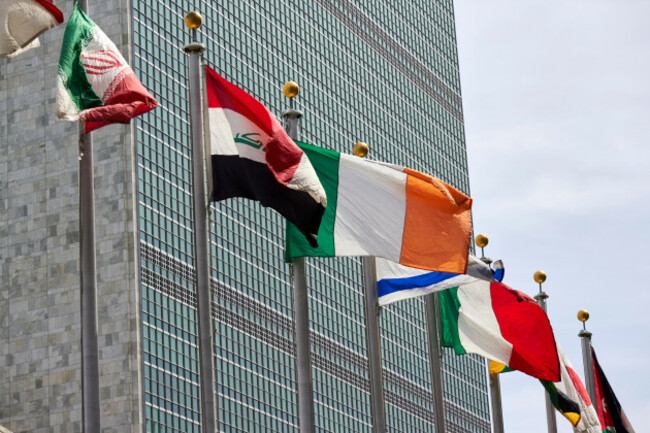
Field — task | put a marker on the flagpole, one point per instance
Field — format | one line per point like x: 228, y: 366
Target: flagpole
x: 432, y: 305
x: 373, y: 338
x: 588, y: 362
x: 89, y: 347
x: 304, y: 382
x: 541, y: 297
x: 378, y: 407
x: 497, y: 408
x: 481, y: 241
x: 195, y: 51
x: 90, y: 407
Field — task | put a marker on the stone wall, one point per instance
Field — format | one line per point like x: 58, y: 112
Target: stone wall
x: 40, y: 362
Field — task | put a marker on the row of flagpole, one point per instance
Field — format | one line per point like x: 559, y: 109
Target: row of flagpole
x: 299, y: 287
x: 208, y: 382
x: 585, y: 337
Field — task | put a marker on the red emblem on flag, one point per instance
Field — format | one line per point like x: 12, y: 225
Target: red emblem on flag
x: 101, y: 62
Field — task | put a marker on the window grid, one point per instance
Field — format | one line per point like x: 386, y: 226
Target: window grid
x: 352, y: 88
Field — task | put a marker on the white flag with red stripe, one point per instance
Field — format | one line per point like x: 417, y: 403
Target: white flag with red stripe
x: 21, y: 21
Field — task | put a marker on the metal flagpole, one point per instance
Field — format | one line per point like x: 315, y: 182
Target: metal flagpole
x: 374, y: 346
x: 377, y: 404
x: 432, y: 305
x: 194, y: 51
x: 541, y: 297
x: 497, y: 408
x: 481, y: 241
x: 89, y: 348
x: 306, y: 421
x: 585, y: 337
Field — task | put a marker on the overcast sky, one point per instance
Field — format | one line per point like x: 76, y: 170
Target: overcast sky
x: 556, y: 98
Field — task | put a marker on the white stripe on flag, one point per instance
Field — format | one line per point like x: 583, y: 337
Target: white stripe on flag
x: 358, y: 231
x: 225, y: 124
x: 478, y: 328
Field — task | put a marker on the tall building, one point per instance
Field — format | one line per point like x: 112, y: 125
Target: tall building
x: 384, y: 72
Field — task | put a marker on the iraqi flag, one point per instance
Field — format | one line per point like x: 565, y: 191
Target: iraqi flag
x: 96, y: 86
x: 384, y: 210
x: 569, y: 396
x: 21, y: 21
x: 611, y: 415
x: 253, y: 157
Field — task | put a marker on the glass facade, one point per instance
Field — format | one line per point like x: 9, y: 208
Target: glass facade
x: 384, y: 72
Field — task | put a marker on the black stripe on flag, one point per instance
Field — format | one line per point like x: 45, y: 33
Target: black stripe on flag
x: 233, y: 176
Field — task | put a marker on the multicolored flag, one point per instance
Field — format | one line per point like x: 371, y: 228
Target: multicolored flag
x: 396, y: 282
x: 383, y: 210
x: 253, y: 157
x: 495, y: 321
x: 571, y: 399
x: 610, y: 413
x: 96, y: 86
x: 21, y: 21
x: 479, y: 315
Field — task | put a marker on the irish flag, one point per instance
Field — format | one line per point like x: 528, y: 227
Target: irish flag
x: 21, y: 21
x: 96, y: 86
x: 499, y: 323
x: 253, y: 157
x: 383, y: 210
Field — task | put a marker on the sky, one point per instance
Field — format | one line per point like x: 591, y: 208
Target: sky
x: 556, y: 99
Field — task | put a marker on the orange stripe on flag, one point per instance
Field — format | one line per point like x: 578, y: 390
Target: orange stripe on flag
x: 437, y: 225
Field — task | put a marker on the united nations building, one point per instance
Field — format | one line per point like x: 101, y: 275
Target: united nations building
x: 382, y: 72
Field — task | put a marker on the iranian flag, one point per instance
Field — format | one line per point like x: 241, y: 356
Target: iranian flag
x: 253, y: 157
x: 96, y: 86
x: 492, y: 320
x: 383, y: 210
x: 21, y: 21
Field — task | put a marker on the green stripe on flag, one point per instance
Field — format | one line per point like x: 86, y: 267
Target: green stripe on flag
x: 78, y: 34
x: 449, y: 306
x: 326, y: 164
x: 552, y: 393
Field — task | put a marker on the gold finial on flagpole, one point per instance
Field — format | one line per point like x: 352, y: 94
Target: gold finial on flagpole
x: 583, y: 315
x: 360, y: 149
x: 540, y: 277
x: 481, y: 241
x: 290, y: 89
x: 193, y: 20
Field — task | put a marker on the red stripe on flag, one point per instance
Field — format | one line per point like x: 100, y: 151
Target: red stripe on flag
x: 53, y: 10
x: 128, y: 100
x: 282, y: 155
x: 580, y: 387
x: 524, y: 324
x: 224, y: 94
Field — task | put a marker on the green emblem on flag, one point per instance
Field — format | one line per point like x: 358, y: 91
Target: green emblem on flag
x: 249, y: 140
